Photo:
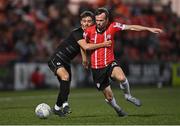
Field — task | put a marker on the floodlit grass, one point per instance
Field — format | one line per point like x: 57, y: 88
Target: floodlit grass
x: 160, y: 106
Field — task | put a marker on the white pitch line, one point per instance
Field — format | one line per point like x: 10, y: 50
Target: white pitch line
x: 24, y: 97
x: 75, y: 95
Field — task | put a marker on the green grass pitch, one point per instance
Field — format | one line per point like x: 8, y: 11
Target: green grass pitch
x: 160, y: 106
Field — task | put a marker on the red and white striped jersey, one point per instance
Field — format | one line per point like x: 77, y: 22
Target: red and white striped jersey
x: 102, y: 57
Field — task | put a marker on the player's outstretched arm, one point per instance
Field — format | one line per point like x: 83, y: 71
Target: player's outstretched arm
x: 143, y: 28
x: 88, y: 46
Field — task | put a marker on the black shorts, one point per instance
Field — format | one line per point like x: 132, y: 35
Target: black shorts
x: 101, y: 76
x: 55, y: 62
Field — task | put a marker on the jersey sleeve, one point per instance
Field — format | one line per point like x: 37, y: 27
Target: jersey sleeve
x: 78, y: 35
x: 118, y: 26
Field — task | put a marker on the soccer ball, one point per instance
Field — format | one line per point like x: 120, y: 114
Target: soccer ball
x: 43, y: 111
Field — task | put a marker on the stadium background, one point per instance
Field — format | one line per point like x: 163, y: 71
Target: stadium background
x: 30, y: 30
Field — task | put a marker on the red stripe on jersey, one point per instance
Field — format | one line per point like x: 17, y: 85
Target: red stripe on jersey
x: 96, y: 52
x: 105, y: 50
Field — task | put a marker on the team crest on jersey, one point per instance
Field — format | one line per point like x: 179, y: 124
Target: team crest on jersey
x: 108, y: 37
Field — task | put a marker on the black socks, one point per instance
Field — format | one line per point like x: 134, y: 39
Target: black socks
x: 63, y: 93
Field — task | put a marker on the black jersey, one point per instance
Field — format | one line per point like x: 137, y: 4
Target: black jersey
x: 69, y: 48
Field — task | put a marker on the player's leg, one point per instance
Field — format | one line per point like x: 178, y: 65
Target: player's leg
x: 118, y: 74
x: 64, y: 77
x: 63, y: 74
x: 101, y: 79
x: 110, y: 99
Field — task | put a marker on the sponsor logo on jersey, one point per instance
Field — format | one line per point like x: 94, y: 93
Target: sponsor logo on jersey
x: 118, y: 25
x: 58, y: 63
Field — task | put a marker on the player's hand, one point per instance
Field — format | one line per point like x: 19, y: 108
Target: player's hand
x: 155, y: 30
x: 107, y: 43
x: 85, y: 64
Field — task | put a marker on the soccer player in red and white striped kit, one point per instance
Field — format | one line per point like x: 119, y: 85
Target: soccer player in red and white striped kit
x: 103, y: 63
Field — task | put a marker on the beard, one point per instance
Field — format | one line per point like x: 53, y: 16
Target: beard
x: 101, y: 28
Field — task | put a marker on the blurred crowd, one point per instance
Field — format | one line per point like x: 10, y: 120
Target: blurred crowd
x: 30, y: 30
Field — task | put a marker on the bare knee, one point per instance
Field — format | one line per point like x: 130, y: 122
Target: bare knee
x: 120, y: 78
x: 118, y: 74
x: 63, y: 74
x: 65, y: 77
x: 108, y: 95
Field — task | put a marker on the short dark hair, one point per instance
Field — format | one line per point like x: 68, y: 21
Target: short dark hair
x: 87, y: 14
x: 102, y: 10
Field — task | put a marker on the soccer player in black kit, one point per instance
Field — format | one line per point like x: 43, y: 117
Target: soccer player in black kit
x: 60, y: 61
